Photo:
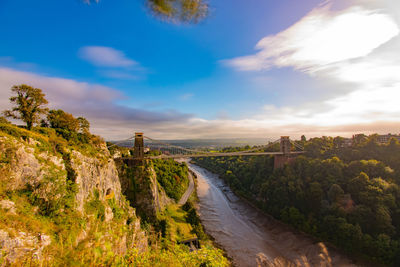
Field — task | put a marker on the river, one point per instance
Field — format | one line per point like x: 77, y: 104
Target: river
x: 250, y: 237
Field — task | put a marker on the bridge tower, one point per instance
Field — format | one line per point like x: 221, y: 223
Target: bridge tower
x: 139, y: 146
x: 286, y: 156
x: 285, y: 145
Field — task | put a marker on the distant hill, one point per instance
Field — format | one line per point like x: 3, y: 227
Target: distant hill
x: 208, y: 143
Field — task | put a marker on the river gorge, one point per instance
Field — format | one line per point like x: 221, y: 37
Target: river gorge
x: 251, y: 237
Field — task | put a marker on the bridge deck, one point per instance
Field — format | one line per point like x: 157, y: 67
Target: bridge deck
x: 230, y: 154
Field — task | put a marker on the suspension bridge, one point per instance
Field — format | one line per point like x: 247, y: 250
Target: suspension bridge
x: 288, y: 150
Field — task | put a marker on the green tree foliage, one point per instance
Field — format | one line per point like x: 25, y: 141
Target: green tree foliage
x: 60, y: 119
x: 29, y: 103
x: 75, y: 130
x: 187, y: 11
x: 3, y: 120
x: 349, y: 196
x: 179, y: 10
x: 193, y: 218
x: 172, y: 176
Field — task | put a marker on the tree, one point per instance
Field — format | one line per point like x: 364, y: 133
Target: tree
x: 335, y: 193
x: 29, y: 104
x: 84, y: 125
x: 189, y: 11
x: 60, y: 119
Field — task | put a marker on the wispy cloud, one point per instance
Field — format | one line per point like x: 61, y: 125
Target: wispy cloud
x: 355, y: 47
x: 186, y: 97
x: 112, y: 63
x: 113, y: 121
x: 103, y: 56
x: 321, y: 38
x: 95, y: 102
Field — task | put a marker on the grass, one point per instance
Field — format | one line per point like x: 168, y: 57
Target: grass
x: 176, y: 228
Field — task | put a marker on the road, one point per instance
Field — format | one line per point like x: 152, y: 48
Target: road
x: 189, y: 190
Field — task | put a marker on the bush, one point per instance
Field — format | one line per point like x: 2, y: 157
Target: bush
x: 4, y: 120
x: 96, y: 207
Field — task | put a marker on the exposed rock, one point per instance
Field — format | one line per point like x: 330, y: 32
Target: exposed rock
x: 82, y: 235
x: 109, y: 215
x: 22, y: 246
x: 57, y: 161
x: 141, y: 187
x: 117, y: 154
x: 93, y: 173
x: 32, y: 142
x: 8, y: 206
x: 45, y: 240
x: 136, y: 237
x: 28, y: 165
x: 25, y: 167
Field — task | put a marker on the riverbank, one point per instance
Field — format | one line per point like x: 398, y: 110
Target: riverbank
x: 195, y: 199
x: 249, y: 235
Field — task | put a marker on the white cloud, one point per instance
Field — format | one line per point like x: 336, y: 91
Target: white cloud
x: 321, y: 38
x: 356, y: 47
x: 105, y: 57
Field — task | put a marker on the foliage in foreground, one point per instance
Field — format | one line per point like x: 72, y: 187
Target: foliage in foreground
x: 178, y: 256
x: 188, y: 11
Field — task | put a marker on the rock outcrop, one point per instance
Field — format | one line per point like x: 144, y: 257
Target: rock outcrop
x: 25, y: 164
x: 139, y: 184
x: 95, y: 174
x: 22, y: 245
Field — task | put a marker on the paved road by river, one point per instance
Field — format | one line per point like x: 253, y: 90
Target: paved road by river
x: 247, y: 234
x: 189, y: 190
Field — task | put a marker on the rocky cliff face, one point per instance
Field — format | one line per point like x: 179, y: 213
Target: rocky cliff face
x: 95, y: 174
x: 30, y: 165
x: 23, y: 164
x: 139, y: 184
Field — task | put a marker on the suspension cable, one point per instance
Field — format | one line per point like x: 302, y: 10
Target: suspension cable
x: 206, y: 152
x: 120, y: 142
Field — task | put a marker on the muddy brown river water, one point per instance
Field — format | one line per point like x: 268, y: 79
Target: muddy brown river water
x: 252, y: 238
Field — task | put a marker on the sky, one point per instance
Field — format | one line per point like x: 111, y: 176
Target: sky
x: 257, y: 68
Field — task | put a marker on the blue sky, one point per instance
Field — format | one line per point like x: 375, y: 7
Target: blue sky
x: 203, y: 80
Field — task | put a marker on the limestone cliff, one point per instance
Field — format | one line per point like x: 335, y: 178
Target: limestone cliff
x: 52, y: 199
x: 95, y: 174
x: 139, y: 184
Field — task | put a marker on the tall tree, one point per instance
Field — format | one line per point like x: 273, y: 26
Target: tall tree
x: 29, y: 104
